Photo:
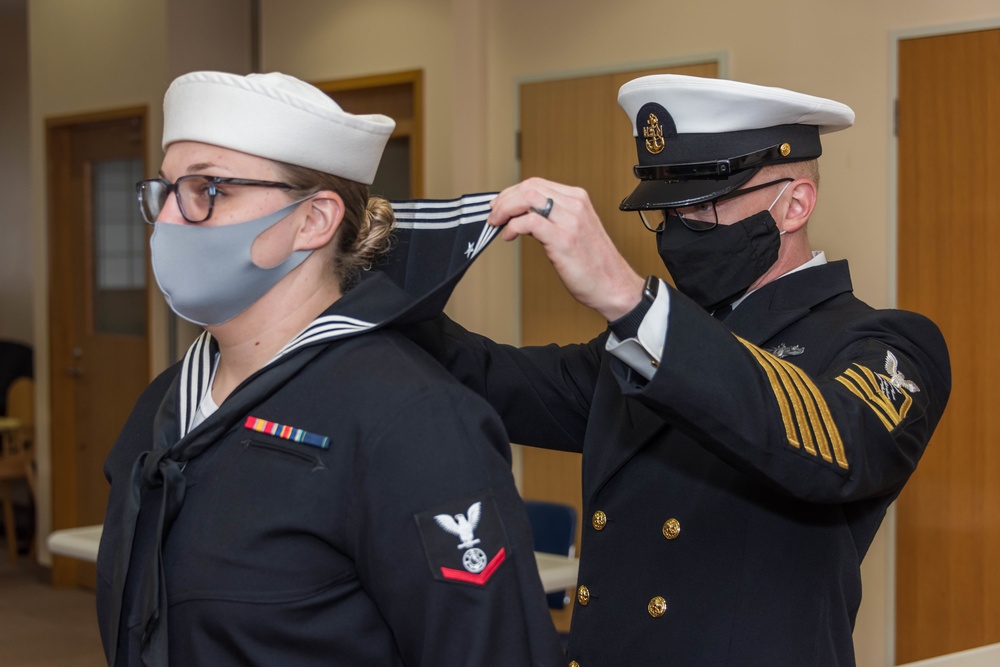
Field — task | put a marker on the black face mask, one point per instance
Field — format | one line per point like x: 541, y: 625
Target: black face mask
x: 717, y: 266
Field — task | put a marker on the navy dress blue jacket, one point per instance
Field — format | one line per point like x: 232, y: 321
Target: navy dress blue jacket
x: 301, y: 553
x: 728, y: 502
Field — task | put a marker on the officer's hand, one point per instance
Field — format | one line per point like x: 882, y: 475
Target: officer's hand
x: 589, y: 265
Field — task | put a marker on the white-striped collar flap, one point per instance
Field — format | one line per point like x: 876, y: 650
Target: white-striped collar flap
x: 201, y: 358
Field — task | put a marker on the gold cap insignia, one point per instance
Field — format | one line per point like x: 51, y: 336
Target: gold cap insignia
x: 653, y: 133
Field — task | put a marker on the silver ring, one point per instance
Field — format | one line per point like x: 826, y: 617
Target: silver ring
x: 544, y: 212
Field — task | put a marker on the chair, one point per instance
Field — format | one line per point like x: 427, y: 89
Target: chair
x: 16, y: 360
x: 17, y: 430
x: 553, y: 529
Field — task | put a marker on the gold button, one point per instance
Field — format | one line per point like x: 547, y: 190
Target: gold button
x: 671, y: 529
x: 657, y: 607
x: 574, y: 663
x: 600, y: 520
x: 785, y: 149
x: 583, y: 595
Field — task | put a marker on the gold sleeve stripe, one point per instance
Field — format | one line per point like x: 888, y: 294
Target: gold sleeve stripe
x: 859, y: 384
x: 896, y: 415
x: 867, y: 386
x: 827, y: 435
x: 825, y: 416
x: 865, y: 397
x: 804, y: 411
x: 800, y: 408
x: 809, y: 398
x: 783, y: 407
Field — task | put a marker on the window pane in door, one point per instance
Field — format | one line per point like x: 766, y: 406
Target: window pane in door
x: 119, y: 249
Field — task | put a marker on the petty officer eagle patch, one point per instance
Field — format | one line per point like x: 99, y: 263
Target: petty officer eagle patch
x: 464, y: 539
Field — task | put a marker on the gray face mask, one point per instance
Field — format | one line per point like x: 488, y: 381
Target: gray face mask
x: 207, y: 273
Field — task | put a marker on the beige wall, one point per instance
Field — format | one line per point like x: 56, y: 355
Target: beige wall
x: 195, y: 41
x: 108, y: 53
x: 15, y: 203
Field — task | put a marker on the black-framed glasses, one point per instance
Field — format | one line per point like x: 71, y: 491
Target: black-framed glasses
x: 699, y: 217
x: 195, y: 194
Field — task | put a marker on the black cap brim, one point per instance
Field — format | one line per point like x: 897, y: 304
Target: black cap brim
x: 654, y: 194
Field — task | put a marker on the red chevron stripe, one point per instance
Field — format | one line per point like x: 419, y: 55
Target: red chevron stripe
x: 478, y: 579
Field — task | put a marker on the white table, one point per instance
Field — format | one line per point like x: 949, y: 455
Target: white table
x: 79, y: 543
x: 984, y: 656
x: 557, y: 572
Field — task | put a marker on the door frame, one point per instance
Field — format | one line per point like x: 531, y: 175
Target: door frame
x: 62, y: 455
x: 892, y: 249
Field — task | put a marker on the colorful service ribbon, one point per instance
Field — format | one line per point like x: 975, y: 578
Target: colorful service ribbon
x: 287, y: 432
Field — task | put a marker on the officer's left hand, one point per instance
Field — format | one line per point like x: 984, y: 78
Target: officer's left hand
x: 589, y: 265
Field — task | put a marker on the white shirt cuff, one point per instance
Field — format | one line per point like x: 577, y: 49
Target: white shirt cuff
x: 644, y: 352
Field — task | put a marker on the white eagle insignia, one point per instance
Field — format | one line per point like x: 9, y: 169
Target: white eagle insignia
x: 462, y: 525
x: 896, y: 380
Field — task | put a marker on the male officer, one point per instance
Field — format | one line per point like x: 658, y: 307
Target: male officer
x: 734, y: 474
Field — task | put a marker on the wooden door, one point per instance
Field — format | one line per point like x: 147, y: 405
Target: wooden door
x: 98, y: 309
x: 574, y: 132
x: 400, y: 96
x: 948, y: 516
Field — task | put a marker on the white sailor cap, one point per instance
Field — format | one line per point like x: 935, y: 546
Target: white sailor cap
x: 700, y: 138
x: 275, y: 116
